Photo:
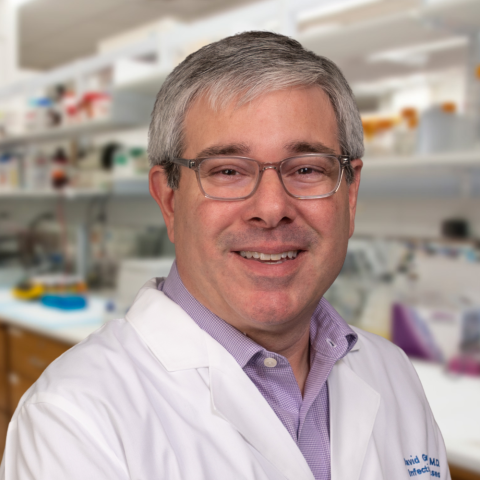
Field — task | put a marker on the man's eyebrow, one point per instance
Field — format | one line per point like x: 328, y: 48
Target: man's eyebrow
x: 298, y: 148
x: 237, y: 149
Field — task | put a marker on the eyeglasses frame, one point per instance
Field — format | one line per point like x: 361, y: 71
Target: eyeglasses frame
x: 194, y: 165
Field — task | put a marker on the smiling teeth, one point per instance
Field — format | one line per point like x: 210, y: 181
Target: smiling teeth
x: 269, y: 256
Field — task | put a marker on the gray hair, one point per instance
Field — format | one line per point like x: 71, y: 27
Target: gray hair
x: 243, y: 67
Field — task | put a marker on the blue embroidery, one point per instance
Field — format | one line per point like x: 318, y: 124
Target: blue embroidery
x: 425, y: 469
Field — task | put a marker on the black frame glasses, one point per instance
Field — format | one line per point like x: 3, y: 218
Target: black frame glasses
x: 343, y: 160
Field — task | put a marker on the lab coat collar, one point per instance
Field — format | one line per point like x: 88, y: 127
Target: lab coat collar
x: 356, y: 347
x: 173, y: 337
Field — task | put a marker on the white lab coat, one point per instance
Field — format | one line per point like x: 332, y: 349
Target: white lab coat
x: 154, y: 397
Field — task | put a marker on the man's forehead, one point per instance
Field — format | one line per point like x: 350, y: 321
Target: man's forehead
x: 216, y: 131
x: 298, y: 147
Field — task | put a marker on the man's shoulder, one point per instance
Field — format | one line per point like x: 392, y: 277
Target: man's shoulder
x: 375, y: 345
x: 95, y: 367
x: 85, y: 404
x: 382, y: 364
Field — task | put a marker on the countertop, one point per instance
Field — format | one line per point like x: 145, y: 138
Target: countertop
x: 70, y: 327
x: 455, y: 402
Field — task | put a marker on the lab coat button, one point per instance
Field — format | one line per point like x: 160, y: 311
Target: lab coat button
x: 270, y: 362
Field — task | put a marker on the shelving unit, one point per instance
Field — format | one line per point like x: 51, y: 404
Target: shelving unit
x: 78, y: 69
x: 446, y: 175
x: 443, y: 27
x: 468, y: 159
x: 442, y: 175
x: 128, y: 187
x: 128, y: 109
x: 68, y: 194
x: 137, y: 186
x: 352, y: 45
x: 426, y: 21
x: 144, y: 84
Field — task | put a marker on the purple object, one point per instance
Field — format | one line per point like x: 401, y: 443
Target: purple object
x: 412, y: 334
x: 307, y: 418
x: 467, y: 364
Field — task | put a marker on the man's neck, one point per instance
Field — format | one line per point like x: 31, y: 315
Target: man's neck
x: 294, y: 346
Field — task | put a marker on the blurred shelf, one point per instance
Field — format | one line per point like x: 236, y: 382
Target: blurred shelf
x: 137, y: 186
x: 467, y: 158
x: 382, y: 50
x: 371, y: 36
x: 380, y: 27
x: 79, y: 69
x: 128, y: 109
x: 69, y: 193
x: 445, y: 175
x: 145, y: 84
x: 61, y: 133
x: 456, y: 14
x: 128, y: 187
x: 386, y: 33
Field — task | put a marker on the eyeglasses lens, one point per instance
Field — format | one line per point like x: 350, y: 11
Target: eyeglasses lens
x: 310, y: 176
x: 229, y: 178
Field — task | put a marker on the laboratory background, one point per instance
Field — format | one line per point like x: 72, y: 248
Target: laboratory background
x: 80, y: 234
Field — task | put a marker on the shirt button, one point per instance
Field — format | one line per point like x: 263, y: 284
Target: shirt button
x: 270, y: 362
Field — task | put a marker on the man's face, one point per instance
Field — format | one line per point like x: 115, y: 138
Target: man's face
x: 210, y: 234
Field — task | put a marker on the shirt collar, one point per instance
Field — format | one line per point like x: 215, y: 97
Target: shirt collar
x: 330, y: 335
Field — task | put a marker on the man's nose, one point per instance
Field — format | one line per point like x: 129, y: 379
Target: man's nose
x: 271, y: 206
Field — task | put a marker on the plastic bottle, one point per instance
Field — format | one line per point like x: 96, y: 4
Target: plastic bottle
x: 406, y: 132
x: 59, y: 169
x: 9, y: 172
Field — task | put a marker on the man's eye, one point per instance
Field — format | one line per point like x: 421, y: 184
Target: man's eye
x: 228, y: 171
x: 308, y: 171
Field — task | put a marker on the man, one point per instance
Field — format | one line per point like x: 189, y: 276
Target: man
x: 235, y: 367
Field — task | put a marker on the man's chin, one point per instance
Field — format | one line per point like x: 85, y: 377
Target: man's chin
x: 269, y: 308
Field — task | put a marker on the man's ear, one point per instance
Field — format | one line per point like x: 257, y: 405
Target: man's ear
x: 357, y: 165
x: 164, y: 196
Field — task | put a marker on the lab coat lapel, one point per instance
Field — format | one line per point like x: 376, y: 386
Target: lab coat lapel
x: 353, y: 409
x: 172, y: 336
x: 238, y: 400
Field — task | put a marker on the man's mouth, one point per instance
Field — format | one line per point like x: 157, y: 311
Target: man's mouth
x: 270, y: 258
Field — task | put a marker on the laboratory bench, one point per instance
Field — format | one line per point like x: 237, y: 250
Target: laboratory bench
x: 32, y: 336
x: 455, y: 403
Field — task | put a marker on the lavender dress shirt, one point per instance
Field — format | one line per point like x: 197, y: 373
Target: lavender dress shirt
x: 307, y: 419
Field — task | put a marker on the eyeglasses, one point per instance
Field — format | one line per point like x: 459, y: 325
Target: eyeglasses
x: 307, y: 176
